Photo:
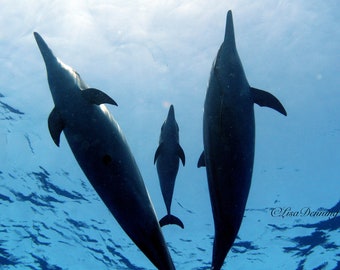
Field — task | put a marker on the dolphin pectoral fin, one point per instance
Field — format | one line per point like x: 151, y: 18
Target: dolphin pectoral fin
x: 181, y: 154
x: 55, y: 125
x: 95, y: 96
x: 201, y: 161
x: 171, y: 219
x: 158, y: 152
x: 263, y: 98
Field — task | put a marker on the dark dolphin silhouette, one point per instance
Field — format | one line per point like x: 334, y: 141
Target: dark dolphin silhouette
x: 167, y: 157
x: 229, y: 138
x: 103, y: 154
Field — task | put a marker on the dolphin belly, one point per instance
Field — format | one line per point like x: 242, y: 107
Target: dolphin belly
x: 167, y: 168
x: 229, y: 156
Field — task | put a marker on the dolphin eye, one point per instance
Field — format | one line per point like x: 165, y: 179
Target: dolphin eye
x: 107, y: 159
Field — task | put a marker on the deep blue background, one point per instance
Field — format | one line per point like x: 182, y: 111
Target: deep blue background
x: 147, y: 55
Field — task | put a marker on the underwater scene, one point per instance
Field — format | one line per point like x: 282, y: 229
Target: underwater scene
x: 169, y: 135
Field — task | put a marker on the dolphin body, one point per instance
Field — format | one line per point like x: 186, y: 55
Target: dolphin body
x: 167, y: 157
x: 229, y: 138
x: 102, y: 152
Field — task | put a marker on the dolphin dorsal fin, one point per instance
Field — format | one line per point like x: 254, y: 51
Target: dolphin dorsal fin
x: 95, y: 96
x: 263, y: 98
x: 181, y: 154
x: 55, y: 125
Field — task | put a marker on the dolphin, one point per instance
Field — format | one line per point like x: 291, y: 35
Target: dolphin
x: 167, y: 157
x: 229, y: 138
x: 103, y: 154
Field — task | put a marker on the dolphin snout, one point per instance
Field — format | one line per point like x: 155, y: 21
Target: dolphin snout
x: 46, y: 52
x: 171, y: 114
x: 229, y: 36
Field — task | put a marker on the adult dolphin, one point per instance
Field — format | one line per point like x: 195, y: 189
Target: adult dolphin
x: 167, y: 157
x: 229, y: 138
x: 103, y: 154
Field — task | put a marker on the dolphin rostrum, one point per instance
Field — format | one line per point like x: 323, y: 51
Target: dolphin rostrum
x: 229, y: 138
x: 167, y: 157
x: 103, y: 154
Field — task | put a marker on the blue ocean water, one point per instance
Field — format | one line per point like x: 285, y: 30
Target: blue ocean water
x: 146, y: 56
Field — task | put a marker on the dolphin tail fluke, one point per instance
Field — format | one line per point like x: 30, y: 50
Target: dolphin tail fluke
x: 263, y: 98
x: 171, y: 219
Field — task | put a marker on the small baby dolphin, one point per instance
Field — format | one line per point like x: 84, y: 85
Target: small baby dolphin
x: 229, y: 141
x: 103, y: 154
x: 167, y: 157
